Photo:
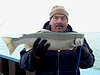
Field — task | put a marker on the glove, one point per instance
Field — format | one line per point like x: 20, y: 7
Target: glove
x: 84, y: 52
x: 22, y: 52
x: 78, y: 42
x: 40, y: 47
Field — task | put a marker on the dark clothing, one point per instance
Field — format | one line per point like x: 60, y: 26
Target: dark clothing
x: 54, y: 62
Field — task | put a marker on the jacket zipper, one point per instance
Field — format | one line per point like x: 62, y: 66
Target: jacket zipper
x: 58, y: 60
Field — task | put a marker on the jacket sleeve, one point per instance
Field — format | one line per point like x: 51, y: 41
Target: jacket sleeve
x: 27, y: 60
x: 88, y: 61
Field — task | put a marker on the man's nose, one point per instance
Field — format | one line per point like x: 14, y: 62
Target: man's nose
x: 59, y: 20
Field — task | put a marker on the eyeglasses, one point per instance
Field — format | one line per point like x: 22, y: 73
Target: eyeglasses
x: 61, y: 17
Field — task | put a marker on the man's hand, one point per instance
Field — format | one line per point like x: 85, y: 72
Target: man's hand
x: 40, y: 47
x: 78, y: 42
x: 84, y: 51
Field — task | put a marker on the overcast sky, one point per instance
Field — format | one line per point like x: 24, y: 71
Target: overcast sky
x: 28, y: 16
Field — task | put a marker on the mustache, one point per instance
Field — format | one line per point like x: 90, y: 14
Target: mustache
x: 59, y: 25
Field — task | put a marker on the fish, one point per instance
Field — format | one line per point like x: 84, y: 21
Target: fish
x: 57, y: 40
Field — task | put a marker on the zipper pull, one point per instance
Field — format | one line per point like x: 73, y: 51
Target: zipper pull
x: 58, y: 50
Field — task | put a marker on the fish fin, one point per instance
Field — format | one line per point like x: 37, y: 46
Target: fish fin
x: 9, y: 44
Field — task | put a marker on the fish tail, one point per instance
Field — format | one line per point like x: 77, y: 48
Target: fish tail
x: 9, y: 43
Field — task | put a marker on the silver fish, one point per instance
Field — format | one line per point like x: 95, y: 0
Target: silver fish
x: 58, y: 41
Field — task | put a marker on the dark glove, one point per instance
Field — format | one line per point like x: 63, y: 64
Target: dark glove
x: 84, y: 52
x: 40, y: 47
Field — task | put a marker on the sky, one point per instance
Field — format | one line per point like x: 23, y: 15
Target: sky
x: 29, y: 16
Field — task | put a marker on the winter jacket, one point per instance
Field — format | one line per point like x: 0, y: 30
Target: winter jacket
x: 53, y: 62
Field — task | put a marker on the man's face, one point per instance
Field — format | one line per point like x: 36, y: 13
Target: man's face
x: 58, y: 23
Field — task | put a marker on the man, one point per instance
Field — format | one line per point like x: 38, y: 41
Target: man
x: 55, y: 62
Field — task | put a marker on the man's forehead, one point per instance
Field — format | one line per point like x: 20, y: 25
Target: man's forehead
x: 60, y: 15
